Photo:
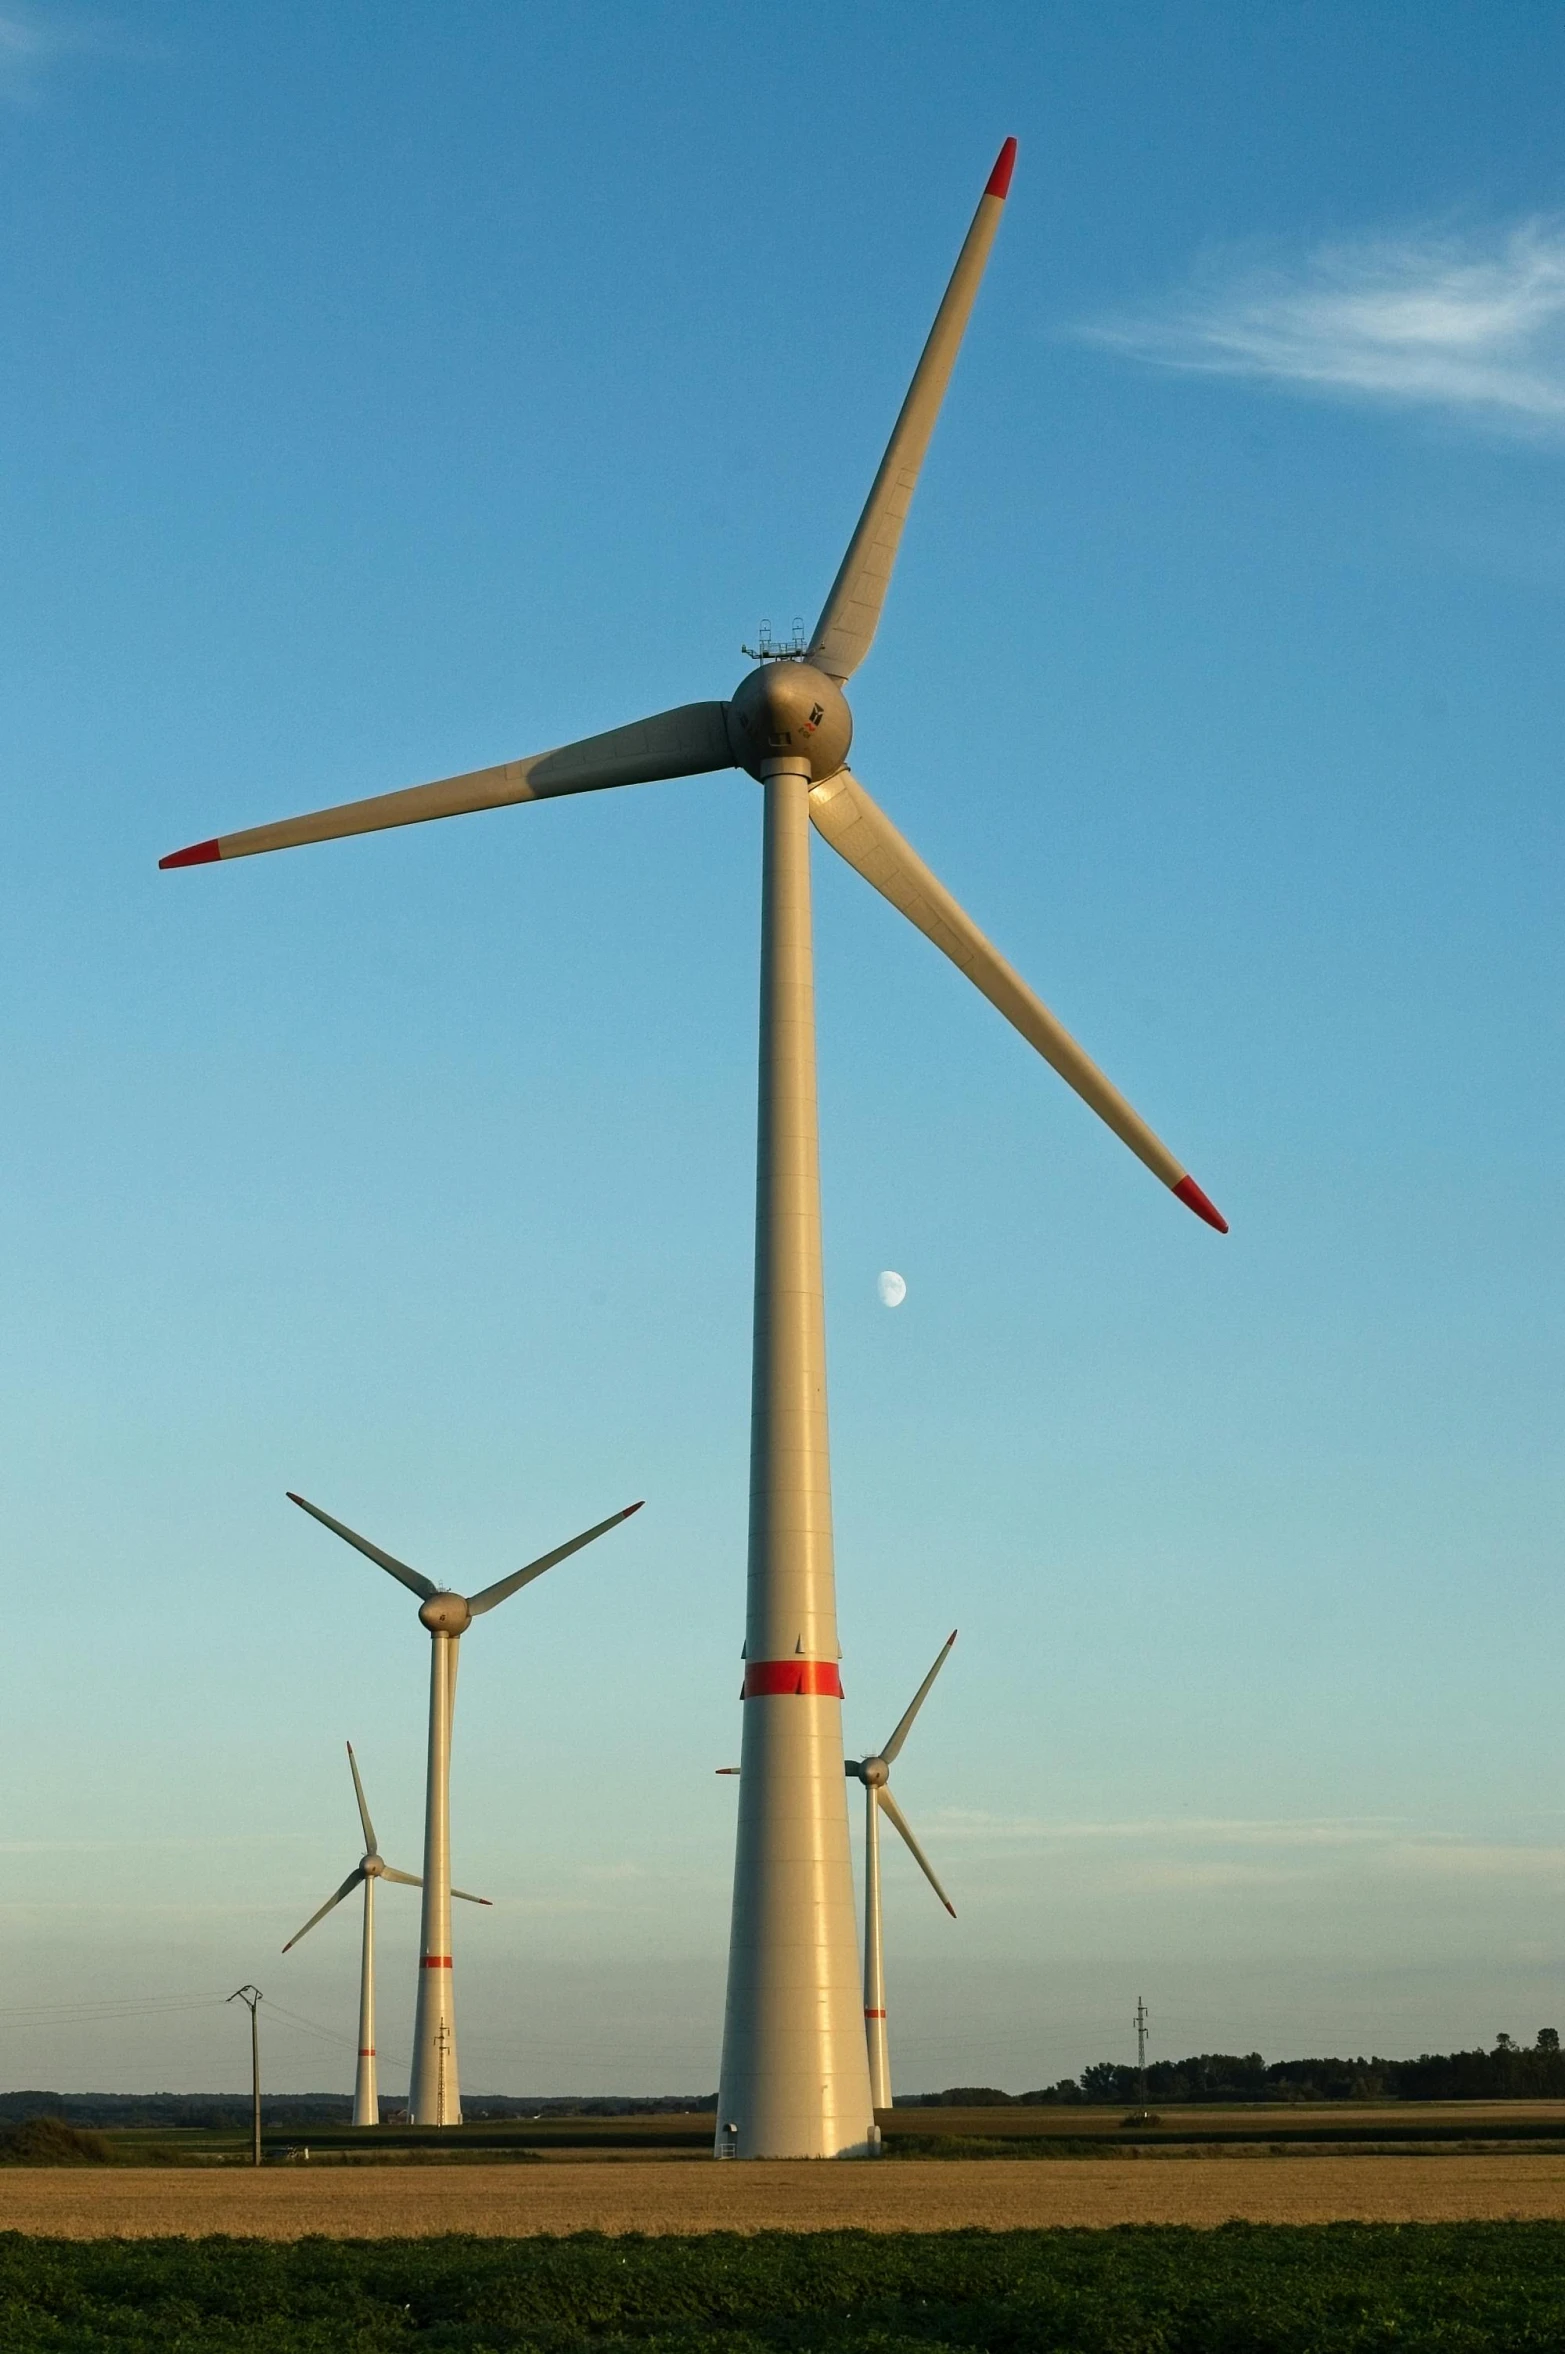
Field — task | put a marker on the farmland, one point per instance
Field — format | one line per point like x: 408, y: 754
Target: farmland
x: 295, y: 2202
x: 1474, y: 2289
x: 1326, y: 2128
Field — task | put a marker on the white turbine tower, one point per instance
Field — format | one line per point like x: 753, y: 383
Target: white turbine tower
x: 875, y: 1774
x: 794, y: 2078
x: 434, y: 2097
x: 371, y: 1866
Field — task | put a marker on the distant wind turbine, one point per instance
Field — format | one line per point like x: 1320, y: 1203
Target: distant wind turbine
x: 371, y: 1866
x: 875, y: 1774
x: 794, y: 2082
x: 434, y: 2097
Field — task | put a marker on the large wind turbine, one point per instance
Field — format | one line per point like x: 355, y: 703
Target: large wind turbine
x: 434, y: 2097
x: 795, y: 2082
x: 371, y: 1866
x: 874, y: 1772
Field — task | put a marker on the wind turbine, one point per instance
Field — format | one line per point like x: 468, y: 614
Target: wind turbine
x: 371, y: 1866
x: 434, y: 2097
x: 795, y: 2080
x: 874, y: 1772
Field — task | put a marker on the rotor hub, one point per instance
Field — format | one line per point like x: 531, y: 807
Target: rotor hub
x: 371, y: 1866
x: 876, y: 1772
x: 789, y: 710
x: 446, y: 1614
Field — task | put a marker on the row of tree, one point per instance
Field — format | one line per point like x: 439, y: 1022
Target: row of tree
x: 1510, y: 2072
x: 228, y: 2112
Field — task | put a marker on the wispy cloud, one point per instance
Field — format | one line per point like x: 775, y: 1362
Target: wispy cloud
x: 1472, y: 323
x: 1187, y: 1851
x: 1205, y: 1831
x: 32, y: 40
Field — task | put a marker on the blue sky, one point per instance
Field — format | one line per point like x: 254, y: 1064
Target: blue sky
x: 392, y: 390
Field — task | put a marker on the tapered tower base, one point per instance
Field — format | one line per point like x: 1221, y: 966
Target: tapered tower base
x: 795, y: 2075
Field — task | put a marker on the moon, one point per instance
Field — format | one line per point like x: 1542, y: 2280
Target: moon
x: 892, y: 1289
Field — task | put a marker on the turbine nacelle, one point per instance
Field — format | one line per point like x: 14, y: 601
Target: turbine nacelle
x: 789, y: 710
x: 446, y: 1613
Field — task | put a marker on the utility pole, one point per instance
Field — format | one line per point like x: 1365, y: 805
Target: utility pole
x: 250, y: 1996
x: 1141, y: 2050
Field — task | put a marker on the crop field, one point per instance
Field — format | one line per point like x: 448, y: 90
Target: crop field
x: 1494, y: 2288
x: 1336, y: 2124
x: 1053, y: 2133
x: 997, y: 2194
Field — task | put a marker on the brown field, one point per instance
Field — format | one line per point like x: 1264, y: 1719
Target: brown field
x: 1340, y: 2123
x: 990, y: 2194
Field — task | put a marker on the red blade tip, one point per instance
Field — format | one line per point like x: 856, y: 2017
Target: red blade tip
x: 1188, y: 1192
x: 199, y: 854
x: 630, y: 1508
x: 1004, y: 166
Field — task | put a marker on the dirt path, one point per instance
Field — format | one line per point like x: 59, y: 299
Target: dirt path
x: 999, y: 2194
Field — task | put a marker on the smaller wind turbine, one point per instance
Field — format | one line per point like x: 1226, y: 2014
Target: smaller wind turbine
x: 371, y: 1866
x: 875, y: 1774
x: 433, y: 2097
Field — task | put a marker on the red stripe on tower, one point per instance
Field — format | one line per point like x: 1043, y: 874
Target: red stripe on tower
x: 1004, y: 166
x: 765, y: 1677
x: 435, y: 1961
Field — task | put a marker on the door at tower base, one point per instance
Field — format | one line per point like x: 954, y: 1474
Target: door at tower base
x: 795, y: 2069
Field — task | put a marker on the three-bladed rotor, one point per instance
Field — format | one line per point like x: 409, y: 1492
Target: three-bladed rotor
x: 874, y: 1772
x: 371, y: 1865
x: 441, y: 1610
x: 792, y: 711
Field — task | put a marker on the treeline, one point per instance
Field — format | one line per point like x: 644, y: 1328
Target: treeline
x: 1510, y: 2072
x: 230, y: 2112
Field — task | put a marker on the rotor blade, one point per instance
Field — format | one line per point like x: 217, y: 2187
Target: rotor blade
x: 686, y: 742
x: 899, y: 1819
x: 851, y: 613
x: 889, y: 1753
x: 364, y: 1812
x: 422, y: 1586
x: 409, y: 1880
x: 861, y: 833
x: 347, y: 1888
x: 504, y: 1588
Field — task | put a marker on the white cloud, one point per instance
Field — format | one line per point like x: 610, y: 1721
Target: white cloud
x: 1473, y: 323
x: 1471, y: 1859
x: 1223, y: 1851
x: 1205, y: 1831
x: 33, y: 39
x: 25, y: 46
